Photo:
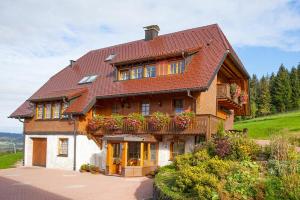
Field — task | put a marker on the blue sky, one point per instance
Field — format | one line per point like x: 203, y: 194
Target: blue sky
x: 38, y: 38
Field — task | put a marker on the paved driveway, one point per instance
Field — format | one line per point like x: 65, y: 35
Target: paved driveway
x: 42, y: 184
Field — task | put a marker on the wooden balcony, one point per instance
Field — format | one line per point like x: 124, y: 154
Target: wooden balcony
x: 201, y: 124
x: 225, y: 99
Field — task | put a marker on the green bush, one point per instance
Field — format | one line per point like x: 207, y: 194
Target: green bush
x: 243, y: 148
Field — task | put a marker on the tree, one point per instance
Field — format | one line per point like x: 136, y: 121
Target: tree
x: 295, y: 88
x: 272, y: 92
x: 253, y: 94
x: 264, y: 98
x: 283, y: 91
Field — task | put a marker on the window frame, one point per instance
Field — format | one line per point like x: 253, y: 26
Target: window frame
x: 135, y: 71
x: 48, y: 111
x: 63, y: 108
x: 60, y: 147
x: 148, y: 72
x: 175, y: 108
x: 40, y: 108
x: 146, y: 107
x: 177, y: 67
x: 56, y: 109
x: 122, y: 71
x: 172, y: 149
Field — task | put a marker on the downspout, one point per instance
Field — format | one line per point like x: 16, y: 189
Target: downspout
x: 75, y: 141
x: 23, y: 121
x: 194, y: 102
x: 74, y: 136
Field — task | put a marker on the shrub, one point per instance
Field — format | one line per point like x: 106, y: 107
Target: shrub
x: 183, y: 120
x: 222, y: 147
x: 243, y: 181
x: 281, y: 149
x: 158, y: 120
x: 85, y: 168
x: 243, y: 148
x: 134, y: 121
x: 94, y: 169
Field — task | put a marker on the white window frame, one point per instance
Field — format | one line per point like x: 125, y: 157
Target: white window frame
x: 56, y: 111
x: 63, y: 151
x: 40, y: 111
x: 48, y: 111
x: 145, y: 108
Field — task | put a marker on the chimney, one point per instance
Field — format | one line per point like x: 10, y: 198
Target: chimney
x: 72, y: 62
x: 151, y: 32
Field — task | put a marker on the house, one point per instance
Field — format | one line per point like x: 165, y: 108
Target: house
x: 193, y: 70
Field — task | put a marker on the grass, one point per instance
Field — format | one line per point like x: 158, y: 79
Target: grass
x: 8, y: 160
x: 265, y: 127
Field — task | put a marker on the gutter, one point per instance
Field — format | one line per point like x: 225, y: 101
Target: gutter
x: 75, y: 142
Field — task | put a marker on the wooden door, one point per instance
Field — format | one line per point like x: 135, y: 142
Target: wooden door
x: 39, y: 152
x: 116, y: 158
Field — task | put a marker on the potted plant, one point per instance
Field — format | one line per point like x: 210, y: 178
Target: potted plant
x: 243, y: 98
x: 96, y: 123
x: 84, y: 168
x: 158, y: 120
x: 183, y: 120
x: 134, y: 121
x: 94, y: 169
x: 235, y: 90
x: 114, y: 122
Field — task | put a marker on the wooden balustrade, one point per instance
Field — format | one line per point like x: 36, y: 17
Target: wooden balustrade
x: 223, y: 92
x: 200, y: 124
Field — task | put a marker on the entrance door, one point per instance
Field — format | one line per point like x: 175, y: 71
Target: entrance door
x: 116, y: 158
x: 39, y: 151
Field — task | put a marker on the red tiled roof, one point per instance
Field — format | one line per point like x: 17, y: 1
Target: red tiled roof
x: 210, y: 42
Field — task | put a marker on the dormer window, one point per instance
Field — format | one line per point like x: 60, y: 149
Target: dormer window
x: 88, y: 79
x: 124, y: 74
x: 150, y: 71
x: 137, y: 73
x: 177, y: 67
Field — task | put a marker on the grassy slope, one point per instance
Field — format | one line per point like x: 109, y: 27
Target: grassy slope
x: 264, y: 127
x: 8, y: 160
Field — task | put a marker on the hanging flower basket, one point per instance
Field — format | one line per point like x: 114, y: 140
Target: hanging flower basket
x: 243, y: 98
x: 235, y: 90
x: 134, y: 121
x: 183, y: 120
x: 158, y: 121
x: 113, y: 123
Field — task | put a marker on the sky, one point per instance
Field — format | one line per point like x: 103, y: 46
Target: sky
x: 38, y: 38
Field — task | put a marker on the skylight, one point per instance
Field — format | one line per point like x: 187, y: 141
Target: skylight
x: 110, y: 57
x: 88, y: 79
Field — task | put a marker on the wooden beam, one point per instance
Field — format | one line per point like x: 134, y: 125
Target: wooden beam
x: 142, y: 154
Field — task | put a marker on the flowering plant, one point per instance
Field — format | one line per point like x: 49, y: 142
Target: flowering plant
x: 235, y: 90
x: 96, y: 123
x: 134, y: 121
x: 183, y: 120
x: 158, y: 120
x: 114, y: 122
x: 243, y: 98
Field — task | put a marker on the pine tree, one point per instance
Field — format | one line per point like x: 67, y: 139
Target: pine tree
x: 264, y: 98
x: 295, y: 87
x: 272, y: 92
x: 253, y: 95
x: 283, y: 91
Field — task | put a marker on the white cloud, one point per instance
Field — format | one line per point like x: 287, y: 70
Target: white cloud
x: 37, y: 38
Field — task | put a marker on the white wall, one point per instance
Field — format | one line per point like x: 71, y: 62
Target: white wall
x: 87, y: 151
x: 164, y: 148
x: 52, y: 160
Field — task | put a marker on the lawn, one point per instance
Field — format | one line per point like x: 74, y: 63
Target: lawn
x: 8, y: 160
x: 264, y: 127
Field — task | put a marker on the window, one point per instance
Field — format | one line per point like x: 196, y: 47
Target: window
x: 114, y: 109
x: 124, y: 74
x: 88, y: 79
x: 145, y: 108
x: 199, y: 139
x: 176, y: 148
x: 63, y: 146
x: 150, y: 71
x: 110, y: 57
x: 178, y: 106
x: 116, y: 150
x: 56, y: 111
x: 65, y: 106
x: 39, y: 111
x: 177, y: 67
x: 137, y: 73
x: 153, y: 152
x: 133, y: 154
x: 48, y: 111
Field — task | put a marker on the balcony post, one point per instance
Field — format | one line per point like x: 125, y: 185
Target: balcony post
x: 208, y: 132
x: 142, y: 154
x: 124, y: 154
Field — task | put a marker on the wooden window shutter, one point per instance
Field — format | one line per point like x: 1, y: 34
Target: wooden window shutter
x: 115, y: 74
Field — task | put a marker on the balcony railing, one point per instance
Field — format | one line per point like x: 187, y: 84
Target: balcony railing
x: 201, y: 124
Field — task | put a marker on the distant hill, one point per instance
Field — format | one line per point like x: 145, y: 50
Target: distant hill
x: 8, y: 140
